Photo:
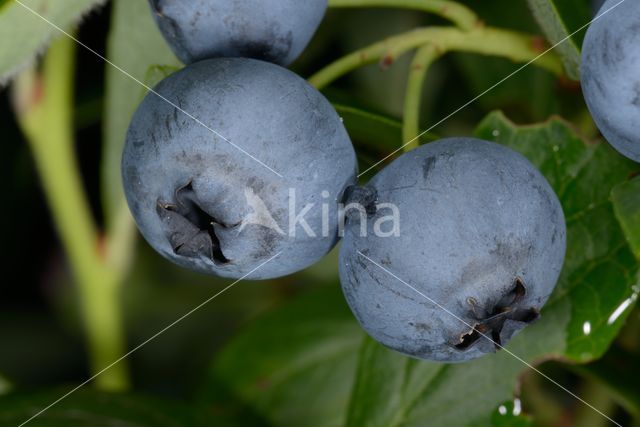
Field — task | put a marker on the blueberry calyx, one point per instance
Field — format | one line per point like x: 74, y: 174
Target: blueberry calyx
x: 366, y: 197
x: 189, y: 228
x: 492, y: 322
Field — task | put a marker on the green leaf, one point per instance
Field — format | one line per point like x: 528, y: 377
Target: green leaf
x: 626, y: 202
x: 295, y: 365
x: 136, y: 46
x: 559, y: 20
x: 371, y: 129
x: 374, y: 135
x: 600, y: 271
x: 95, y: 409
x: 507, y: 416
x: 25, y: 34
x: 385, y: 376
x: 446, y: 395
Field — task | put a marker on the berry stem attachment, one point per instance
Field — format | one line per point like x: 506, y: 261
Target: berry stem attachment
x: 512, y: 45
x: 460, y: 15
x: 424, y: 57
x: 43, y: 102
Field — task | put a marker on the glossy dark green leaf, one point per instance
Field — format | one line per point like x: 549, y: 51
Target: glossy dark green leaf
x: 509, y: 415
x: 626, y: 201
x: 415, y: 392
x: 87, y: 408
x: 27, y: 23
x: 600, y: 271
x: 369, y: 128
x: 388, y: 386
x: 374, y: 135
x: 135, y: 45
x: 295, y: 365
x: 376, y: 130
x: 564, y: 22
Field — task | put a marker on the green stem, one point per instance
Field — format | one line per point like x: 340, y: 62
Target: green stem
x: 455, y: 12
x: 120, y: 243
x: 44, y: 107
x: 424, y: 57
x: 508, y: 44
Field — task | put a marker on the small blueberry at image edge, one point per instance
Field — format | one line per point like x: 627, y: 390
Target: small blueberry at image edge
x: 271, y: 30
x: 610, y: 74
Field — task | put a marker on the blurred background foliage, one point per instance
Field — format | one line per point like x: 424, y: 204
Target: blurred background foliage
x: 288, y: 352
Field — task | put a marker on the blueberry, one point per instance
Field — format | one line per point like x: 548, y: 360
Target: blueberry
x: 481, y: 233
x: 207, y: 203
x: 610, y: 74
x: 271, y: 30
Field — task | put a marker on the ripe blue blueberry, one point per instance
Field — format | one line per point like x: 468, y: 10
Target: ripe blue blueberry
x: 481, y: 233
x: 611, y: 74
x: 271, y: 30
x: 207, y: 203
